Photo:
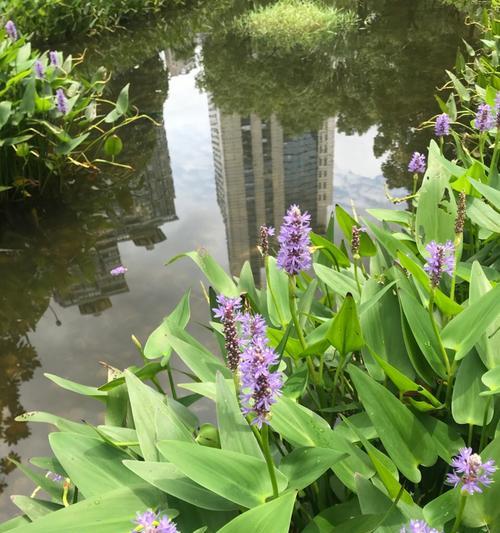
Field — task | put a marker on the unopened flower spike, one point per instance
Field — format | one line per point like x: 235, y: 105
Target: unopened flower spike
x: 469, y: 471
x: 356, y: 240
x: 228, y: 312
x: 265, y: 233
x: 460, y: 220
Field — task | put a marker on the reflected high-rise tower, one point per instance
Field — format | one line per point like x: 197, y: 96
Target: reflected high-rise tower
x: 260, y: 171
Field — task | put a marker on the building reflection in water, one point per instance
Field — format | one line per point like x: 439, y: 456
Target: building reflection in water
x: 260, y: 171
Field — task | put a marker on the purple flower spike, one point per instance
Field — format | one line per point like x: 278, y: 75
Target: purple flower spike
x: 417, y: 163
x: 150, y: 522
x: 260, y: 387
x: 253, y: 328
x: 441, y: 259
x: 294, y: 255
x: 61, y: 101
x: 227, y: 312
x: 442, y: 126
x: 470, y: 472
x: 484, y: 120
x: 54, y: 60
x: 39, y: 70
x: 118, y: 271
x: 11, y: 30
x: 418, y: 526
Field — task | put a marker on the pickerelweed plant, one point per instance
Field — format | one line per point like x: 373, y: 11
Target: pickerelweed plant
x: 53, y: 121
x: 357, y: 391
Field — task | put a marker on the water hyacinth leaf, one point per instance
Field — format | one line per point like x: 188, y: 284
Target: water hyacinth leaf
x: 121, y: 106
x: 215, y: 274
x: 72, y: 386
x: 34, y: 508
x: 391, y: 215
x: 121, y: 435
x: 405, y: 439
x: 106, y: 513
x: 62, y: 424
x: 49, y: 463
x: 442, y: 509
x: 332, y: 252
x: 272, y: 516
x: 157, y: 344
x: 278, y: 301
x: 194, y: 355
x: 168, y: 478
x: 14, y: 523
x: 306, y: 301
x: 239, y: 478
x: 234, y: 431
x: 491, y: 194
x: 303, y: 466
x: 339, y: 282
x: 446, y: 439
x: 148, y: 406
x: 346, y: 222
x: 467, y: 328
x: 386, y: 239
x: 345, y: 333
x: 296, y: 384
x: 483, y: 215
x: 467, y: 406
x: 492, y: 380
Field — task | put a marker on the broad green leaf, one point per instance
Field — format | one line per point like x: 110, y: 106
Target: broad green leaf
x: 215, y: 274
x: 492, y: 379
x: 345, y: 333
x: 234, y: 431
x: 442, y: 509
x: 121, y: 106
x: 34, y: 508
x: 446, y: 438
x: 467, y: 406
x: 296, y: 383
x: 113, y: 146
x: 14, y: 523
x: 72, y: 386
x: 246, y: 284
x: 346, y: 223
x: 273, y: 516
x: 51, y: 487
x: 483, y: 215
x: 462, y: 91
x: 491, y: 194
x: 149, y: 408
x: 278, y: 300
x: 168, y: 478
x: 59, y: 422
x: 303, y: 466
x: 467, y: 328
x: 391, y: 215
x: 5, y: 112
x: 339, y: 282
x: 242, y: 479
x: 67, y: 148
x: 405, y: 439
x: 332, y: 252
x: 148, y: 371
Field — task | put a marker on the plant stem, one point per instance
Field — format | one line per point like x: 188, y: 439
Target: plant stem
x: 469, y: 435
x: 444, y: 355
x: 461, y: 507
x: 171, y: 382
x: 484, y: 429
x: 494, y: 159
x: 269, y: 460
x: 356, y: 275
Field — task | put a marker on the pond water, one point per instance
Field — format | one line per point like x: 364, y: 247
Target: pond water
x: 243, y: 134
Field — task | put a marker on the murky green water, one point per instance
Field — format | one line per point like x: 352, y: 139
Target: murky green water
x: 243, y: 135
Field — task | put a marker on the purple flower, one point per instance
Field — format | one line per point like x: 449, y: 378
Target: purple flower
x: 260, y: 387
x: 484, y: 120
x: 442, y: 126
x: 470, y: 471
x: 39, y: 70
x: 11, y: 30
x: 441, y: 259
x: 265, y: 233
x: 118, y: 271
x: 150, y: 522
x: 418, y: 526
x: 253, y: 327
x: 497, y: 109
x: 62, y: 103
x: 417, y: 163
x: 54, y: 477
x: 54, y: 60
x: 227, y: 312
x: 294, y: 255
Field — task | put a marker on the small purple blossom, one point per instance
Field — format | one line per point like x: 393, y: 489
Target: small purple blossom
x: 54, y: 60
x: 265, y: 233
x: 61, y: 101
x: 294, y: 255
x: 54, y: 476
x: 11, y: 30
x: 418, y: 526
x: 228, y: 312
x: 39, y: 70
x: 470, y: 471
x: 118, y: 271
x: 253, y: 327
x: 442, y: 126
x: 417, y: 163
x: 441, y: 259
x: 150, y: 522
x: 260, y: 387
x: 484, y: 120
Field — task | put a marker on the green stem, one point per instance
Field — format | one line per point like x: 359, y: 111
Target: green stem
x: 461, y: 507
x: 484, y: 429
x: 356, y: 275
x: 269, y: 460
x: 469, y: 435
x: 494, y: 159
x: 171, y: 382
x: 458, y: 240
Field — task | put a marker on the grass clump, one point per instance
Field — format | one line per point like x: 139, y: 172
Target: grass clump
x: 291, y: 24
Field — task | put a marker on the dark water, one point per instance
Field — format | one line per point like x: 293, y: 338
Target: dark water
x: 243, y: 135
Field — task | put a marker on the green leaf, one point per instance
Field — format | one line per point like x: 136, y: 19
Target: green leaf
x: 442, y: 509
x: 339, y: 282
x: 121, y: 106
x: 345, y: 332
x: 28, y: 100
x: 304, y: 465
x: 346, y: 222
x: 5, y: 112
x: 168, y: 478
x: 52, y: 488
x: 59, y: 422
x: 246, y: 284
x: 234, y: 432
x: 84, y: 390
x: 463, y: 93
x: 332, y: 252
x: 467, y: 328
x: 149, y: 409
x: 14, y: 523
x: 278, y: 303
x: 406, y: 440
x: 67, y: 148
x: 446, y: 439
x: 403, y: 218
x: 34, y: 508
x: 491, y: 194
x: 273, y: 516
x: 239, y: 478
x: 215, y: 274
x: 483, y: 215
x: 113, y: 146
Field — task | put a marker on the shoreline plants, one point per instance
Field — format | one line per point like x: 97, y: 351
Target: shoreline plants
x: 356, y: 392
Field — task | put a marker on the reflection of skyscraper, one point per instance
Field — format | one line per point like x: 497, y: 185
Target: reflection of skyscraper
x: 260, y: 171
